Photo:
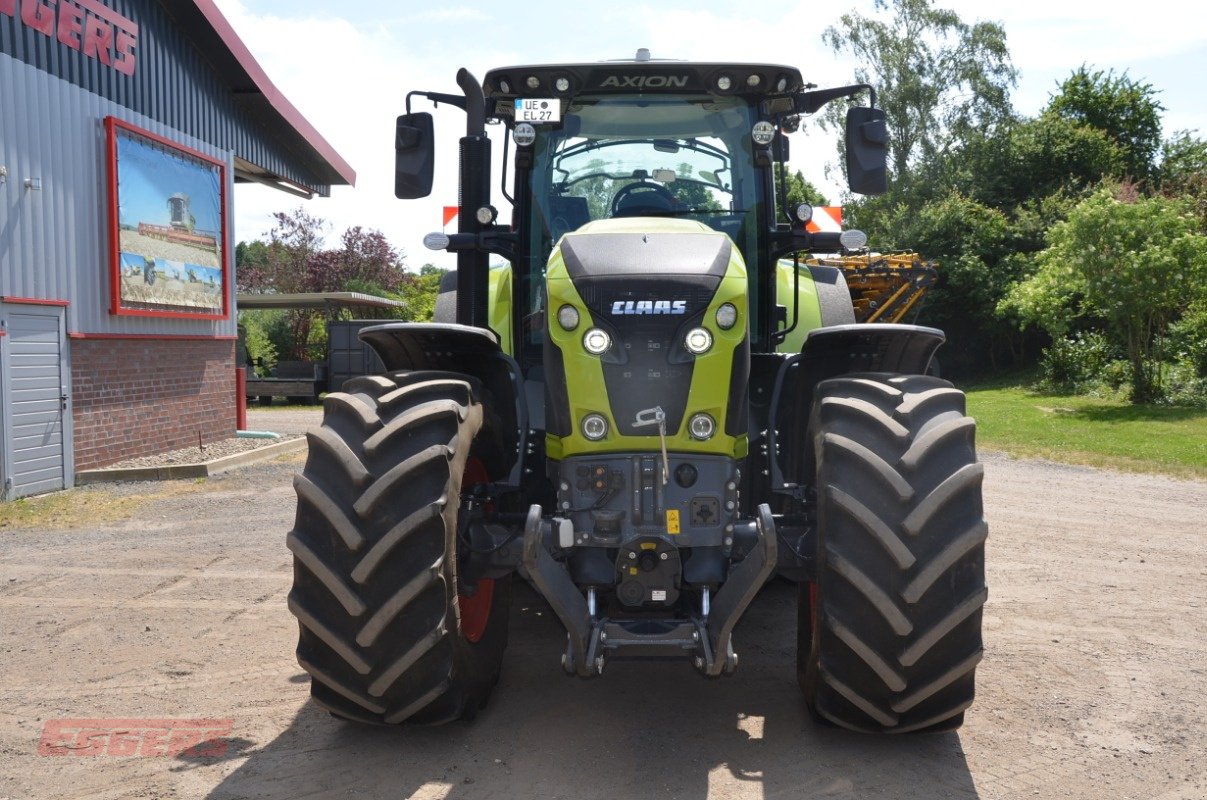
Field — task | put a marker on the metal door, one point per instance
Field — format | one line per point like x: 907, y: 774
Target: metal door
x: 36, y: 422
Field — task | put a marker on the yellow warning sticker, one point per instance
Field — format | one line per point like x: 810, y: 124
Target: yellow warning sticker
x: 649, y: 545
x: 672, y: 520
x: 632, y: 570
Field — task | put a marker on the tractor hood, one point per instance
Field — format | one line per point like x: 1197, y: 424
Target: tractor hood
x: 646, y: 283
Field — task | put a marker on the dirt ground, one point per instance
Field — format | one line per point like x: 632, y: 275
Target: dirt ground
x: 1092, y: 685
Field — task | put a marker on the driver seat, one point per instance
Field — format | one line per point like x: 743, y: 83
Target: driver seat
x: 637, y: 203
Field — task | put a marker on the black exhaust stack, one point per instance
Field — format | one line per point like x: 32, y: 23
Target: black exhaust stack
x: 472, y: 265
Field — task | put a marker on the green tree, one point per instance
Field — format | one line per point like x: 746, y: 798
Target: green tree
x: 799, y: 189
x: 257, y: 338
x: 691, y: 193
x: 1183, y: 162
x: 296, y: 260
x: 1125, y: 109
x: 1130, y: 264
x: 1034, y: 158
x: 937, y: 78
x: 419, y: 293
x: 974, y: 246
x: 1183, y: 171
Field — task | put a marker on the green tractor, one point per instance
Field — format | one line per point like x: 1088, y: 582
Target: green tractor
x: 647, y: 407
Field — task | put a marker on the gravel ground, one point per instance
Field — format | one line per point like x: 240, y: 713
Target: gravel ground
x: 1091, y: 687
x: 284, y: 420
x: 196, y: 455
x: 290, y: 422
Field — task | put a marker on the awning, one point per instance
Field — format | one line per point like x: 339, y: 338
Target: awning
x: 327, y: 300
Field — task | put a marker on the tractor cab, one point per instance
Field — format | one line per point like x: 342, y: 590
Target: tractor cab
x: 644, y: 138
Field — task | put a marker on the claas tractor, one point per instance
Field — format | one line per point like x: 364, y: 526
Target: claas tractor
x: 647, y: 394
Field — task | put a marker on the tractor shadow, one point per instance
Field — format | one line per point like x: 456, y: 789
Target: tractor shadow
x: 649, y: 729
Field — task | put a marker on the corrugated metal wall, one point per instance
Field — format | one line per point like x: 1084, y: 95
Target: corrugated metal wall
x: 54, y: 242
x: 173, y: 84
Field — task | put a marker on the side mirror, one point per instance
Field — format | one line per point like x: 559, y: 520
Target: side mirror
x: 867, y: 151
x: 414, y: 156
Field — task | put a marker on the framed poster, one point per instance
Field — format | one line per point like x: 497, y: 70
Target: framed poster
x: 167, y: 227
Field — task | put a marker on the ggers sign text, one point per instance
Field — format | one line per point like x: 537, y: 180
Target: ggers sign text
x: 96, y: 30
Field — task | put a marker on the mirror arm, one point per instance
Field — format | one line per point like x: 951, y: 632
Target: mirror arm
x: 799, y: 240
x: 499, y: 242
x: 437, y: 98
x: 811, y: 102
x: 474, y: 103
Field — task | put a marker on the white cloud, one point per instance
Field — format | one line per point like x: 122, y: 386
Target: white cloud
x: 348, y: 71
x: 350, y: 83
x: 1045, y: 35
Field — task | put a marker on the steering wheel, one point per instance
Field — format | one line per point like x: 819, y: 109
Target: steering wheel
x: 641, y: 197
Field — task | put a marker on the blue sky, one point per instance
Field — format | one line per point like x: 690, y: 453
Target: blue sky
x: 149, y: 175
x: 348, y: 66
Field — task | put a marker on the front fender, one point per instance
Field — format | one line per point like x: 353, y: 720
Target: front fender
x: 470, y: 351
x: 828, y: 353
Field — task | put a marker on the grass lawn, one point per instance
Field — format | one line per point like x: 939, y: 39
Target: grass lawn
x: 1093, y: 431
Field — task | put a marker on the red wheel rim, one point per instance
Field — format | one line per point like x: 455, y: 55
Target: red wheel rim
x: 475, y: 608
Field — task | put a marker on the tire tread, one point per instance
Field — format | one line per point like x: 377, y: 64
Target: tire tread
x: 374, y: 547
x: 900, y: 567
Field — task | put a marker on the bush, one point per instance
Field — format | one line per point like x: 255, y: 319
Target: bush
x: 1185, y: 386
x: 261, y: 351
x: 1076, y: 364
x: 1187, y: 341
x: 1132, y: 265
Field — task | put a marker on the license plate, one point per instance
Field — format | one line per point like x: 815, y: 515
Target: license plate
x: 537, y: 111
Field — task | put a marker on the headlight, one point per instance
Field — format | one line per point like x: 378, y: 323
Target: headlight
x: 595, y: 427
x: 763, y: 132
x: 698, y: 341
x: 727, y: 316
x: 702, y: 426
x: 567, y: 317
x: 596, y: 341
x: 524, y: 134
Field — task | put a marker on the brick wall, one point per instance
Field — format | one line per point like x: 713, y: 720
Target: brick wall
x: 135, y: 397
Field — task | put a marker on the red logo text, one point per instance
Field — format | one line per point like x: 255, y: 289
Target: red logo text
x: 147, y: 738
x: 95, y: 30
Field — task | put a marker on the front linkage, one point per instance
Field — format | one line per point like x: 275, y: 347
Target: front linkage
x: 705, y: 635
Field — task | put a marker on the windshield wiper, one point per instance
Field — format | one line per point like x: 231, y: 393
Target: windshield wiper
x: 687, y: 211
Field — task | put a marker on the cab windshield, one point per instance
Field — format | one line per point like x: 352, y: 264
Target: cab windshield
x: 644, y: 155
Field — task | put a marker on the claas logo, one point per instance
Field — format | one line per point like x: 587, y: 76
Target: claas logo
x: 621, y: 307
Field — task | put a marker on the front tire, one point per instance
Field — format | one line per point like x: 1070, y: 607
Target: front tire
x: 890, y: 637
x: 381, y: 630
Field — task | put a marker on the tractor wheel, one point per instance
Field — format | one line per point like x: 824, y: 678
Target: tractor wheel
x: 889, y: 637
x: 387, y: 633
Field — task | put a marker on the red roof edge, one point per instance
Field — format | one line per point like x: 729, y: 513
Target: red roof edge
x: 271, y: 93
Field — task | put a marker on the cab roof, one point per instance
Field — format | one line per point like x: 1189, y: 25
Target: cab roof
x: 643, y: 75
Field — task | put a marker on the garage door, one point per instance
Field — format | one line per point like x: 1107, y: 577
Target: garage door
x: 35, y: 387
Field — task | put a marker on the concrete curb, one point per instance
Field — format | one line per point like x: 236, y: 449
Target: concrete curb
x: 201, y: 470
